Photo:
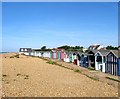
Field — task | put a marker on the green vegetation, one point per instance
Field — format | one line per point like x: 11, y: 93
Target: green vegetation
x: 43, y: 58
x: 71, y: 48
x: 92, y: 77
x: 51, y: 62
x: 113, y: 79
x: 111, y: 48
x: 91, y: 68
x: 11, y: 56
x: 55, y: 63
x: 15, y: 56
x: 77, y: 70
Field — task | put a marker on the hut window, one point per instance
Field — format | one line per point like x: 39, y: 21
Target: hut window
x: 99, y: 59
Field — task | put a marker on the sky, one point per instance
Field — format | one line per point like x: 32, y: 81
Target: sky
x: 35, y: 24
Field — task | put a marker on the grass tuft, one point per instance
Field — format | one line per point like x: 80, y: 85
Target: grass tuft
x: 92, y: 77
x: 51, y: 62
x: 77, y: 70
x: 15, y: 56
x: 11, y: 56
x: 91, y: 68
x: 112, y: 79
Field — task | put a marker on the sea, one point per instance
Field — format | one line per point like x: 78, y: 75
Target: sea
x: 3, y: 52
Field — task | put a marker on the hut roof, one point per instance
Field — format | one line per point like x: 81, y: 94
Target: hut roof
x: 25, y: 50
x: 40, y: 50
x: 104, y: 52
x: 115, y: 52
x: 94, y: 51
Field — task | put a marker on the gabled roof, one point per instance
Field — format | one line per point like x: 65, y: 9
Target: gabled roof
x: 103, y: 52
x: 39, y: 50
x: 115, y: 52
x: 93, y: 47
x: 79, y: 52
x: 94, y: 51
x: 25, y: 50
x: 85, y: 54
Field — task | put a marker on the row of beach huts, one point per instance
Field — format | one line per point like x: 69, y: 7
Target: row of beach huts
x: 106, y: 61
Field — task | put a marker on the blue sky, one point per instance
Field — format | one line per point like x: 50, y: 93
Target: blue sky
x: 30, y: 24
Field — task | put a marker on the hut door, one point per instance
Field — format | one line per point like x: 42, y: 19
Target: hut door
x: 100, y: 67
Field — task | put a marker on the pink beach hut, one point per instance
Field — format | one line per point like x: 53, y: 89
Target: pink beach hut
x: 62, y: 54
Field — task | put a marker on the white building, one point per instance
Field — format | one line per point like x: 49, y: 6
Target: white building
x: 100, y: 60
x: 25, y: 51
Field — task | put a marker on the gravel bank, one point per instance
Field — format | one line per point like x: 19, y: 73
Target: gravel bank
x: 33, y: 77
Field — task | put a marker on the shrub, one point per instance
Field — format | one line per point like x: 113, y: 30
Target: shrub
x: 17, y: 56
x: 91, y: 68
x: 11, y: 56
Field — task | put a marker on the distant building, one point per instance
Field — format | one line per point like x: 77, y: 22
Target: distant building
x: 85, y: 49
x: 96, y: 47
x: 25, y: 51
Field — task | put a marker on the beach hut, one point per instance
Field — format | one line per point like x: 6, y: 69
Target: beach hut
x: 25, y: 51
x: 46, y: 54
x: 53, y: 54
x: 112, y: 65
x: 78, y: 57
x: 37, y: 52
x: 119, y: 66
x: 62, y: 54
x: 66, y: 59
x: 91, y: 58
x: 71, y: 56
x: 100, y: 60
x: 32, y: 53
x: 84, y: 60
x: 58, y: 52
x: 75, y: 58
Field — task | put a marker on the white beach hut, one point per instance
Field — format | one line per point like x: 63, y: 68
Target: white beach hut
x: 100, y: 60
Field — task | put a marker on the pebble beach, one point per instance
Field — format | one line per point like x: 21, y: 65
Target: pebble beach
x: 33, y: 77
